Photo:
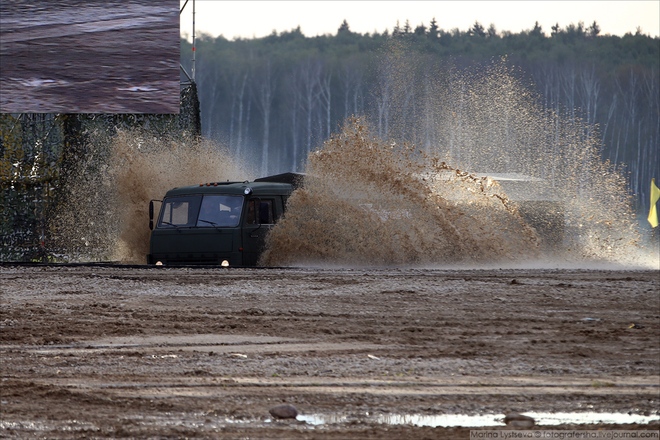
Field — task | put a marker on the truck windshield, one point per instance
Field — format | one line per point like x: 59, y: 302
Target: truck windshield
x: 220, y: 211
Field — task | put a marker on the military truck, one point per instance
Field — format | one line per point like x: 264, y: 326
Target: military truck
x: 538, y: 204
x: 218, y: 223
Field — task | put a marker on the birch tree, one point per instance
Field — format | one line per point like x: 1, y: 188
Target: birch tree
x: 263, y: 90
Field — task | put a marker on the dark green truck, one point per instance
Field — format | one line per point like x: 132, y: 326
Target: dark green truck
x: 219, y: 223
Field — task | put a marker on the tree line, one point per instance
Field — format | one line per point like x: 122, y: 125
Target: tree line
x: 274, y: 99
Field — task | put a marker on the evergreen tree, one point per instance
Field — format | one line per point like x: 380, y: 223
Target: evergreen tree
x: 433, y: 29
x: 406, y: 28
x: 492, y: 31
x: 343, y: 28
x: 477, y: 30
x: 397, y: 30
x: 556, y: 30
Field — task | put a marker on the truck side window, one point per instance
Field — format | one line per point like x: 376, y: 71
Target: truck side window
x: 177, y: 214
x: 179, y: 211
x: 260, y: 211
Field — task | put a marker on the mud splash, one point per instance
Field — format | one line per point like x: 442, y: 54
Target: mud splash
x: 367, y: 202
x: 478, y: 172
x: 105, y: 215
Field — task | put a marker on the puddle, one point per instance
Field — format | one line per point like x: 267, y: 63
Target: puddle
x: 446, y: 420
x: 454, y: 420
x: 216, y: 343
x: 322, y: 419
x: 592, y: 418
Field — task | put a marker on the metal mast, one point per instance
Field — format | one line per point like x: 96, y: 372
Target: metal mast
x: 191, y: 78
x: 193, y: 44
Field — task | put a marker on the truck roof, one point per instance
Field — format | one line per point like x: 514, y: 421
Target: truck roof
x: 279, y: 184
x: 233, y: 188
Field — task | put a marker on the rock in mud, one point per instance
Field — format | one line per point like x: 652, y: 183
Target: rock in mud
x: 515, y: 420
x: 284, y: 411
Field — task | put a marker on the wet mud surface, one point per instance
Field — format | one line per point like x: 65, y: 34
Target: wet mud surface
x: 111, y: 352
x: 89, y: 57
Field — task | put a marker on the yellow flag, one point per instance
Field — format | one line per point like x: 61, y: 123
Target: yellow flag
x: 655, y: 195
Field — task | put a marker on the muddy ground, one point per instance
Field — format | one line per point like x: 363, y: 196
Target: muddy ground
x: 89, y: 57
x: 109, y: 352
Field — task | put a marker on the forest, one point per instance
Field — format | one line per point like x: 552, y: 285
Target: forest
x: 273, y: 100
x: 469, y: 96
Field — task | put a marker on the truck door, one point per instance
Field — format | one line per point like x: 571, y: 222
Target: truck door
x: 259, y: 220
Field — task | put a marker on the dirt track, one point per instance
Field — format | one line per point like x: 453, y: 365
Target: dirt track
x: 125, y: 352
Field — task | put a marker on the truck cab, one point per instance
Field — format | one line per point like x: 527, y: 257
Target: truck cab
x: 218, y: 223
